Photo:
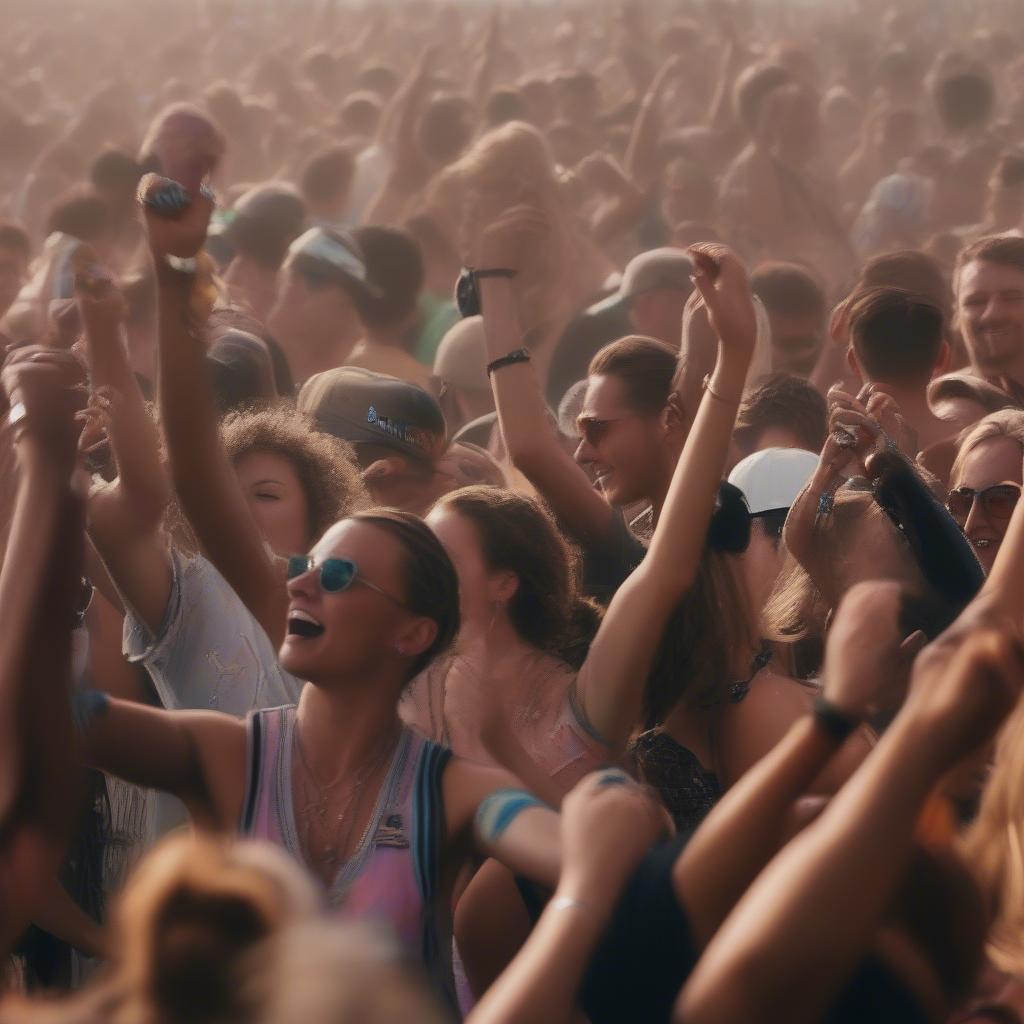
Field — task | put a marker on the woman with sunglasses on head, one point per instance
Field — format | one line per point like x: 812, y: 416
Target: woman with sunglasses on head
x: 986, y: 479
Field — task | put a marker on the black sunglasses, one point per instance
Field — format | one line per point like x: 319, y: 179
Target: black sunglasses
x: 336, y: 575
x: 594, y: 431
x: 997, y: 502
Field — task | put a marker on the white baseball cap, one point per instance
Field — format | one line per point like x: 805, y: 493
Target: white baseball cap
x: 771, y: 479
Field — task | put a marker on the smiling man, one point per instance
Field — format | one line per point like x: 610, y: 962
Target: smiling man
x: 989, y: 285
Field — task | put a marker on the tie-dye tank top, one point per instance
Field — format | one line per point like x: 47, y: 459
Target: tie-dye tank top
x: 393, y: 875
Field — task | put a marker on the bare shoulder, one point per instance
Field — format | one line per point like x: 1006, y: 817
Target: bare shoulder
x: 749, y: 729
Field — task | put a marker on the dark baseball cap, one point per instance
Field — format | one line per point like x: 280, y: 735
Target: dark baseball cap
x: 360, y: 406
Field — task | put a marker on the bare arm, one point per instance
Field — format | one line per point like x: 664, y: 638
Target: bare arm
x: 612, y: 680
x: 607, y: 826
x: 408, y: 171
x: 783, y: 938
x: 39, y: 586
x: 527, y: 845
x: 203, y: 478
x: 125, y: 516
x: 198, y: 756
x: 642, y: 153
x: 518, y: 396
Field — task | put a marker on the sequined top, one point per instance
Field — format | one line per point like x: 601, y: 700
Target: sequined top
x: 685, y: 787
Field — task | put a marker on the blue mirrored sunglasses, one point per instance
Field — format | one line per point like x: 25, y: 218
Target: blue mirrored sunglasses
x: 336, y: 575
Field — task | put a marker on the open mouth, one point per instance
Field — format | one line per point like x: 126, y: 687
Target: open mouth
x: 303, y: 624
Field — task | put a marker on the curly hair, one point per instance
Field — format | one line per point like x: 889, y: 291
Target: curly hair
x: 326, y: 466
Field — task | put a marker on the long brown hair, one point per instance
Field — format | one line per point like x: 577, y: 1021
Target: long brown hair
x: 694, y: 663
x: 519, y: 535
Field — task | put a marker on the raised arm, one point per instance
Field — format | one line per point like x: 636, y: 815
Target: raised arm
x: 203, y: 478
x: 797, y: 930
x: 608, y: 823
x: 623, y: 202
x: 611, y: 682
x: 39, y: 586
x: 523, y: 414
x: 408, y: 171
x: 125, y: 515
x: 642, y: 154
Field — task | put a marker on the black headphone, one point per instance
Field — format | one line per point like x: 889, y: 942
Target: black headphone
x: 730, y: 523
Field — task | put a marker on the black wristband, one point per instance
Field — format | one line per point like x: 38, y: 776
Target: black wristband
x: 520, y: 355
x: 832, y: 720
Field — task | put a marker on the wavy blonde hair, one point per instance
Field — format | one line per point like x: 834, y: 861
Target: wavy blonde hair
x: 1005, y: 423
x: 994, y: 847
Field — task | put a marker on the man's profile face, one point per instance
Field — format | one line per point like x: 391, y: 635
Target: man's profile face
x: 990, y: 306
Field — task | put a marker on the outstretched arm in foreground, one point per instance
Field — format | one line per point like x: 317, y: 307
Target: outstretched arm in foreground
x: 800, y: 930
x: 608, y: 824
x: 750, y: 823
x: 39, y: 587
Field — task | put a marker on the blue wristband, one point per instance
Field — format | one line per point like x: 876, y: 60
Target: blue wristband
x: 86, y: 706
x: 497, y: 811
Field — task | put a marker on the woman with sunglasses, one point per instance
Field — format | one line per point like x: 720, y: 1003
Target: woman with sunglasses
x: 985, y: 482
x: 383, y: 818
x: 203, y: 599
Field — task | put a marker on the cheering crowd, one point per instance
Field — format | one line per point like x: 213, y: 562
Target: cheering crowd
x: 510, y: 513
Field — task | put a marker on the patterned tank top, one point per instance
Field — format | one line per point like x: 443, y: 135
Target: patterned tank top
x: 393, y: 877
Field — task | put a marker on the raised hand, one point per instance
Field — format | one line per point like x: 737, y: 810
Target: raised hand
x: 867, y: 660
x: 176, y: 219
x: 46, y: 388
x: 869, y: 423
x: 94, y: 441
x: 960, y: 694
x: 100, y: 303
x: 608, y: 823
x: 512, y: 237
x: 798, y: 532
x: 721, y: 279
